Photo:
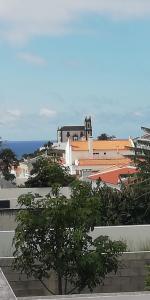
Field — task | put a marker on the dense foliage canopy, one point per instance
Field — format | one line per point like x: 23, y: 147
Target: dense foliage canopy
x: 141, y: 159
x: 53, y: 234
x: 105, y: 137
x: 46, y: 173
x: 7, y: 160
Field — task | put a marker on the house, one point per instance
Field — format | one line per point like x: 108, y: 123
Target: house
x: 75, y: 133
x: 86, y: 166
x: 114, y: 177
x: 22, y: 172
x: 93, y: 155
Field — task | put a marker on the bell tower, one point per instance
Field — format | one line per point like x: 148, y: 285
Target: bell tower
x: 59, y: 135
x: 88, y: 127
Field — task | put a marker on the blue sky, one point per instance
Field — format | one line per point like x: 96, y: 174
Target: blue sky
x: 62, y: 60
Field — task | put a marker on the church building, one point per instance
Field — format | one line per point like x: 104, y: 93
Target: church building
x: 75, y: 133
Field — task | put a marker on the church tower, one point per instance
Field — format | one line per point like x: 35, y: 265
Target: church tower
x: 88, y: 127
x: 59, y: 135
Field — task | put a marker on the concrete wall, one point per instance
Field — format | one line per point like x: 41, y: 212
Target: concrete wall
x: 76, y: 155
x: 110, y: 153
x: 129, y: 278
x: 6, y: 292
x: 6, y: 248
x: 7, y: 219
x: 14, y: 193
x: 137, y: 237
x: 21, y: 285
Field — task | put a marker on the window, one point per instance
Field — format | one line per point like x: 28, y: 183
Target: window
x: 104, y: 153
x: 96, y: 154
x: 75, y: 137
x: 68, y: 134
x: 4, y: 203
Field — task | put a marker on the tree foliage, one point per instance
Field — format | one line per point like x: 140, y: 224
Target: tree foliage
x: 46, y: 151
x: 46, y: 173
x: 48, y: 145
x: 7, y: 160
x: 105, y: 137
x: 53, y: 235
x: 141, y: 159
x: 112, y: 207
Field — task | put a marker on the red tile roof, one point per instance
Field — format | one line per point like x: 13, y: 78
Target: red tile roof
x: 113, y: 176
x: 101, y: 162
x: 101, y: 145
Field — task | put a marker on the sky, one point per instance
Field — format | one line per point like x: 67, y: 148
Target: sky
x: 62, y: 60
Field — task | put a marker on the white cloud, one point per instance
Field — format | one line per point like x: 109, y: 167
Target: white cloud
x: 23, y: 19
x: 138, y: 114
x: 46, y: 112
x: 15, y: 113
x: 9, y: 117
x: 32, y: 58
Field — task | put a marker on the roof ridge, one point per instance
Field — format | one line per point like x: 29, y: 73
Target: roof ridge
x: 115, y: 158
x: 112, y: 170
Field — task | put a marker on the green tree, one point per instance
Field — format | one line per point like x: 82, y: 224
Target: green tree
x: 128, y: 206
x: 52, y: 234
x: 46, y: 173
x: 111, y: 207
x: 48, y: 145
x: 47, y: 150
x: 105, y: 137
x: 7, y: 160
x: 141, y: 154
x: 140, y: 157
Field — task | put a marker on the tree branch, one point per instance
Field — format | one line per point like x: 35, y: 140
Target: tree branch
x: 66, y: 281
x: 46, y: 287
x: 72, y: 290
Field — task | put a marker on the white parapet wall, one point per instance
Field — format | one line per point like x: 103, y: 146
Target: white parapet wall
x: 12, y: 194
x: 6, y: 248
x: 137, y: 237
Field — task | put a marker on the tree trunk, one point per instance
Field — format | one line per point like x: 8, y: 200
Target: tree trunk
x: 60, y: 285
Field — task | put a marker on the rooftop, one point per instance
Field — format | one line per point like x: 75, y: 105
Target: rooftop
x: 101, y: 145
x: 113, y: 176
x: 98, y: 162
x: 72, y: 128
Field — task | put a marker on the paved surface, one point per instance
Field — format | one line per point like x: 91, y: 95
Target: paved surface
x: 6, y: 292
x: 129, y: 296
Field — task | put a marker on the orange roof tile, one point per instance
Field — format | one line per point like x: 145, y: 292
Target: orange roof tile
x: 113, y: 176
x: 99, y: 162
x: 101, y: 145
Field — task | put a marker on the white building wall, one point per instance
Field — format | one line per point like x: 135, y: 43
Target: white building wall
x: 76, y: 155
x: 99, y: 154
x: 137, y: 237
x: 72, y: 133
x: 94, y: 168
x: 12, y: 194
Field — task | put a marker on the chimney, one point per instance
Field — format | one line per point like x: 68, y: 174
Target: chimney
x: 90, y: 146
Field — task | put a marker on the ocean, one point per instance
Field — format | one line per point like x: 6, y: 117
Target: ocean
x: 22, y: 147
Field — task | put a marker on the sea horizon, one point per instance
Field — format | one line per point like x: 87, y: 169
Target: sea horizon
x: 23, y: 147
